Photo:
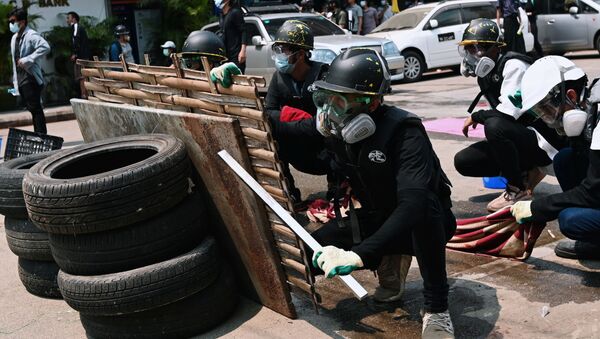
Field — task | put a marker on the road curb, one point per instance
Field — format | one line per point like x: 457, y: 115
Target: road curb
x: 8, y: 120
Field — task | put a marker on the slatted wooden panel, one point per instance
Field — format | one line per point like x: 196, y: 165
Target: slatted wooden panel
x: 191, y: 91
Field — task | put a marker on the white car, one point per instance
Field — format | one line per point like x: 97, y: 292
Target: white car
x: 428, y: 35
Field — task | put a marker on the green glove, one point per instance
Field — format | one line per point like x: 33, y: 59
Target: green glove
x: 224, y: 73
x: 517, y: 99
x: 335, y: 261
x: 521, y: 210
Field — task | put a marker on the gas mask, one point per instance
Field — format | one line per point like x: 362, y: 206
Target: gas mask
x: 475, y: 60
x: 339, y: 117
x: 570, y: 123
x: 13, y: 27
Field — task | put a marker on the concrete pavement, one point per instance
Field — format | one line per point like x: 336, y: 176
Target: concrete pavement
x: 489, y: 297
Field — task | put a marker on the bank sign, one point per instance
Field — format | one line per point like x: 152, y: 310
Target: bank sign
x: 53, y: 3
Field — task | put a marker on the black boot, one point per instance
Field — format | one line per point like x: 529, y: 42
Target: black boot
x: 575, y: 249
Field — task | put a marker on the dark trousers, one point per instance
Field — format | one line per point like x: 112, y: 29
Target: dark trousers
x: 31, y: 94
x: 427, y: 243
x: 510, y: 149
x: 534, y: 30
x: 514, y: 42
x: 576, y: 223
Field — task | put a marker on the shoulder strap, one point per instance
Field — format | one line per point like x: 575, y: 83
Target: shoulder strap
x: 510, y: 56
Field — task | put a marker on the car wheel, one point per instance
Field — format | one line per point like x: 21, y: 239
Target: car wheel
x: 413, y: 66
x: 598, y: 43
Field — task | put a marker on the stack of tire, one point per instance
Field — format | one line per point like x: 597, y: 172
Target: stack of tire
x: 130, y: 235
x: 37, y: 269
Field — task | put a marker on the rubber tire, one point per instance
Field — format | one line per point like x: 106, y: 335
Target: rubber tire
x: 143, y: 288
x: 11, y: 184
x: 39, y: 278
x: 170, y: 234
x: 26, y: 240
x: 412, y: 54
x: 61, y: 199
x: 182, y: 319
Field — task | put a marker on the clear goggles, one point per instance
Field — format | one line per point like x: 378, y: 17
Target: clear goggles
x: 472, y: 53
x: 282, y: 52
x: 340, y: 105
x: 194, y: 61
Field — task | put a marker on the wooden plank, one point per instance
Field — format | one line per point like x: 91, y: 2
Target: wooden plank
x: 243, y: 215
x: 275, y: 192
x: 303, y: 285
x: 284, y: 231
x: 156, y: 89
x: 256, y: 134
x: 290, y: 249
x: 245, y: 112
x: 99, y: 64
x: 268, y: 172
x: 296, y: 266
x: 113, y: 98
x: 189, y: 102
x: 262, y: 154
x: 136, y: 94
x: 90, y: 86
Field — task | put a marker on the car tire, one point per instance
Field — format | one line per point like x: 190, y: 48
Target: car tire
x: 414, y: 66
x: 11, y: 184
x: 39, y: 278
x: 597, y: 42
x: 107, y: 184
x: 168, y: 235
x: 182, y: 319
x: 143, y: 288
x: 26, y: 240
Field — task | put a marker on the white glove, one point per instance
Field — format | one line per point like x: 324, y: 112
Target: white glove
x: 521, y: 210
x: 336, y: 261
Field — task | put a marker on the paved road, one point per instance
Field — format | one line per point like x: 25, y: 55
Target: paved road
x: 489, y: 297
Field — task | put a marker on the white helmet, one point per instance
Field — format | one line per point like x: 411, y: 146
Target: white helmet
x: 168, y: 44
x: 545, y: 74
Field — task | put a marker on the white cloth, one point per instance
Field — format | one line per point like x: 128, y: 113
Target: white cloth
x: 595, y: 146
x: 544, y: 144
x: 513, y: 72
x: 75, y: 26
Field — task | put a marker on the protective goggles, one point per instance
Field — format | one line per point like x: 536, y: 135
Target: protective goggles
x: 472, y: 53
x: 338, y: 104
x: 281, y: 52
x: 194, y: 61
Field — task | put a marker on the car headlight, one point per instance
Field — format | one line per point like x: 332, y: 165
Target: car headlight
x: 325, y: 56
x: 390, y: 49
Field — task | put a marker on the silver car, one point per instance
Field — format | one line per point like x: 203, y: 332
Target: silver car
x: 565, y: 26
x: 330, y: 41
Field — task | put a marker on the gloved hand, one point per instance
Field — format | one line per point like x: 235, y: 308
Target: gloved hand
x: 521, y: 210
x: 336, y: 261
x: 224, y: 73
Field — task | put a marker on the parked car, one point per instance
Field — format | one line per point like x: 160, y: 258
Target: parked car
x: 330, y: 41
x: 564, y: 29
x: 428, y: 35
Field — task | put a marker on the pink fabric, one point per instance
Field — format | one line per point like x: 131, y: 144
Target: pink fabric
x: 452, y: 126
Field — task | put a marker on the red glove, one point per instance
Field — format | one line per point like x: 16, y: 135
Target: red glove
x: 289, y: 114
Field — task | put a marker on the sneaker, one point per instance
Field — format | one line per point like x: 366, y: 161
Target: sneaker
x: 511, y: 195
x: 437, y: 326
x: 392, y: 274
x: 574, y: 249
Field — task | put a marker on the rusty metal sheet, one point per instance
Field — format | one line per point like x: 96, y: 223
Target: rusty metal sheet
x: 242, y: 214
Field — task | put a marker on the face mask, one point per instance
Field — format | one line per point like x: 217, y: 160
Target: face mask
x: 127, y: 38
x: 283, y: 65
x: 363, y: 3
x: 383, y: 3
x: 359, y: 128
x: 166, y: 52
x: 484, y: 67
x: 574, y: 121
x: 14, y: 27
x: 220, y: 3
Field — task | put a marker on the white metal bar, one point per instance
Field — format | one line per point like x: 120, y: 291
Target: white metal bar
x: 354, y: 285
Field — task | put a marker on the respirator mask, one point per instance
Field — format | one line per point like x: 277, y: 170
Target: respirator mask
x: 569, y: 123
x: 342, y: 117
x: 475, y: 61
x: 282, y: 56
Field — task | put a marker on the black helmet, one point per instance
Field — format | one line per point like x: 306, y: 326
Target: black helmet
x: 204, y: 43
x: 481, y: 31
x: 121, y: 30
x: 297, y: 33
x: 358, y: 70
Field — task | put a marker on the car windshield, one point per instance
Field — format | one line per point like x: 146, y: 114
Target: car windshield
x: 319, y: 25
x: 404, y: 20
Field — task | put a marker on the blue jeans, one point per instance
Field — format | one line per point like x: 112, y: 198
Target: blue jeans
x: 570, y: 167
x: 580, y: 224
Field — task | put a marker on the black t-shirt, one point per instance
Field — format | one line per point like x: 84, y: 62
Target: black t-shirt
x: 233, y: 32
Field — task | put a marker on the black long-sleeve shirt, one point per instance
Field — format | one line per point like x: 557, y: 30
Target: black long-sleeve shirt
x: 234, y: 33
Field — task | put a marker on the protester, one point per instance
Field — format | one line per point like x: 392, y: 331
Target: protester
x: 289, y: 95
x: 80, y: 50
x: 121, y: 45
x: 384, y: 12
x: 370, y: 20
x: 385, y: 155
x: 339, y: 16
x: 27, y: 47
x: 202, y: 44
x: 168, y: 48
x: 233, y: 30
x: 511, y: 149
x: 509, y: 10
x: 355, y: 17
x: 553, y: 88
